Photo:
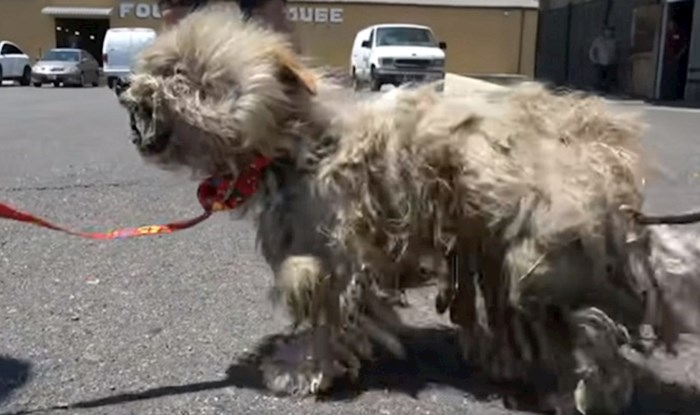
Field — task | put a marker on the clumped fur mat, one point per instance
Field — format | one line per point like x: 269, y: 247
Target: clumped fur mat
x: 519, y: 190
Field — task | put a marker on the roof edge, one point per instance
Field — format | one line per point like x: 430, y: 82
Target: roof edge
x: 490, y: 4
x: 77, y: 11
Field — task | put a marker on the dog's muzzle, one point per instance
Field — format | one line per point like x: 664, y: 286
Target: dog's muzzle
x: 155, y: 146
x: 151, y: 144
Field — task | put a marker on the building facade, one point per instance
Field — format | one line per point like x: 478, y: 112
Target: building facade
x: 658, y: 45
x: 482, y: 36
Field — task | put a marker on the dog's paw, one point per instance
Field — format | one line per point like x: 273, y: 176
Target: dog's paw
x: 307, y: 364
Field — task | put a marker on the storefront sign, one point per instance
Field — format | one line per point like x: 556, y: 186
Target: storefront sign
x: 315, y: 14
x: 140, y: 10
x: 295, y: 14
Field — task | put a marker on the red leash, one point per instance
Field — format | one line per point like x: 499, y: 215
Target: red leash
x: 214, y: 194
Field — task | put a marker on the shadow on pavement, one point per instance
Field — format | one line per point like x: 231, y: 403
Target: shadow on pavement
x: 652, y: 397
x: 14, y: 374
x: 433, y: 360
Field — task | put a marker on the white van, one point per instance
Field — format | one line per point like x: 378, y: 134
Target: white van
x: 395, y: 54
x: 120, y: 47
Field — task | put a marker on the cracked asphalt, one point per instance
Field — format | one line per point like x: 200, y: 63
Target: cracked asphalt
x: 154, y: 325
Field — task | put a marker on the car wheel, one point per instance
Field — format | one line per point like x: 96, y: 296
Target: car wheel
x: 37, y: 84
x: 375, y: 82
x: 26, y: 76
x: 0, y: 75
x: 56, y: 84
x: 81, y: 81
x: 96, y: 82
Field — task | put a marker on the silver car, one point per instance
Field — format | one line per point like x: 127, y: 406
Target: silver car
x: 66, y: 66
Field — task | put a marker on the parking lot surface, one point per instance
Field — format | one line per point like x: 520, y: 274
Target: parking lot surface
x: 154, y: 325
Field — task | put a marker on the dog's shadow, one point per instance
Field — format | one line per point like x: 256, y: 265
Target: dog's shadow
x: 433, y: 360
x: 14, y: 374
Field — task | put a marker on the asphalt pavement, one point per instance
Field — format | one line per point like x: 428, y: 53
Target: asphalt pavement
x: 155, y: 325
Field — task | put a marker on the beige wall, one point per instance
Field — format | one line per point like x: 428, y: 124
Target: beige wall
x: 479, y: 40
x: 529, y: 43
x: 21, y: 22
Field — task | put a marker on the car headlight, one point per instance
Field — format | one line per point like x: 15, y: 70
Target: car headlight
x: 386, y: 61
x: 72, y: 69
x: 438, y: 63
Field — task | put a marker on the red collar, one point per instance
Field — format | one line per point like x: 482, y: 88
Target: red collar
x: 226, y: 192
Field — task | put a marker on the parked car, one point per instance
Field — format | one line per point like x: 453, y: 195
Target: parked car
x: 120, y: 47
x: 14, y: 64
x: 66, y: 66
x: 395, y: 54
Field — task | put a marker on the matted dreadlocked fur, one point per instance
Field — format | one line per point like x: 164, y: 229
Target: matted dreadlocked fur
x: 518, y: 189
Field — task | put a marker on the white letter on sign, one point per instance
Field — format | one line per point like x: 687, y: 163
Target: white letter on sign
x: 306, y: 14
x: 143, y: 11
x: 336, y: 15
x: 321, y: 15
x: 125, y: 8
x: 292, y: 14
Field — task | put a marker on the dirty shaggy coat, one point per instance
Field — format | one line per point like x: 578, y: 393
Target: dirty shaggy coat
x: 519, y: 189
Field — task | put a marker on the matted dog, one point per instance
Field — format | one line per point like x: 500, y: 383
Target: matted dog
x: 519, y: 190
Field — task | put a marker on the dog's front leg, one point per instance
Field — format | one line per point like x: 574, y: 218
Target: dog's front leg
x: 318, y: 349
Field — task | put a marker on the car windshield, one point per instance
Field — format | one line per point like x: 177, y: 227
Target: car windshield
x: 61, y: 55
x: 404, y: 36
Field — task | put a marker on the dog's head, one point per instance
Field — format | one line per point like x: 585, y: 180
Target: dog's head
x: 213, y: 91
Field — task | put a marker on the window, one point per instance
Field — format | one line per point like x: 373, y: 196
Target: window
x: 9, y: 49
x: 405, y: 36
x: 61, y: 55
x: 87, y: 56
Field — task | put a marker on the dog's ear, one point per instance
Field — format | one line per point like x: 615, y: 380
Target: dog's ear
x: 292, y: 71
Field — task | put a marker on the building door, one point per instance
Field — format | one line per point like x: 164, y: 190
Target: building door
x: 673, y: 63
x: 85, y: 34
x: 692, y: 85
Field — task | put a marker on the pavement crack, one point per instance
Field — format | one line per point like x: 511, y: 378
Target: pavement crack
x: 70, y: 186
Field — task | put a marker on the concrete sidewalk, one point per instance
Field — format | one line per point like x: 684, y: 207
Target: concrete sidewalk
x: 457, y: 84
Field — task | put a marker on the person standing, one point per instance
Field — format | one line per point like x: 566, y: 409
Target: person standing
x: 603, y: 55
